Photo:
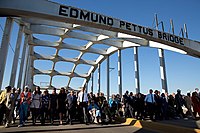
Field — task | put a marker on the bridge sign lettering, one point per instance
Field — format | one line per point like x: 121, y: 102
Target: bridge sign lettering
x: 109, y: 21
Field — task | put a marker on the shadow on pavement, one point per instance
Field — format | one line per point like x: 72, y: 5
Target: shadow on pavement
x: 63, y: 128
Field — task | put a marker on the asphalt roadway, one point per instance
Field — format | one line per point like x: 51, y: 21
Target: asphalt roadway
x: 77, y: 128
x: 130, y: 125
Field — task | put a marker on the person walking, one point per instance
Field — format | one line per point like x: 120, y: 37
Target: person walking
x: 72, y: 102
x: 13, y: 104
x: 179, y: 101
x: 44, y: 106
x: 53, y: 105
x: 2, y: 105
x: 62, y: 104
x: 126, y: 102
x: 188, y: 105
x: 82, y: 101
x: 36, y: 104
x: 196, y: 104
x: 25, y: 96
x: 5, y: 101
x: 150, y: 104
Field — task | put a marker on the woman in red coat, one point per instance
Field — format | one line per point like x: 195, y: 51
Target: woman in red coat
x: 196, y: 103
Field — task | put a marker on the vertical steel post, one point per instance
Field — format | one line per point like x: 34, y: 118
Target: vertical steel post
x: 28, y: 76
x: 31, y: 73
x: 163, y: 70
x: 119, y: 72
x: 99, y: 78
x: 92, y: 85
x: 86, y: 86
x: 4, y: 47
x: 19, y: 84
x: 182, y: 32
x: 172, y: 25
x: 108, y: 77
x: 26, y: 66
x: 16, y: 56
x: 162, y: 60
x: 185, y: 30
x: 137, y: 74
x: 27, y: 72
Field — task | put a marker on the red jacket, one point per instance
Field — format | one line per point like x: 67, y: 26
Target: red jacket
x: 26, y: 97
x: 196, y: 104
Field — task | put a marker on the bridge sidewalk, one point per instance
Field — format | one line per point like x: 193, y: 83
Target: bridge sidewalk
x: 167, y: 126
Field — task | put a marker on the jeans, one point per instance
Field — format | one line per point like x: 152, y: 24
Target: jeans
x: 23, y: 112
x: 84, y: 111
x: 98, y: 113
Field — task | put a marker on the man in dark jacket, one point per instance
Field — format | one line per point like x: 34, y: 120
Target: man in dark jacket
x: 126, y: 101
x: 157, y: 105
x: 179, y: 103
x: 72, y: 102
x: 132, y: 105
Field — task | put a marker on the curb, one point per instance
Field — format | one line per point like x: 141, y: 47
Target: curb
x: 159, y: 127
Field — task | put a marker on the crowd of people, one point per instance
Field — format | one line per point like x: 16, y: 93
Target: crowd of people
x: 69, y: 106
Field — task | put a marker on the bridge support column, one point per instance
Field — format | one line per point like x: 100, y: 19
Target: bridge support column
x: 21, y: 70
x: 16, y: 56
x: 163, y: 70
x: 4, y: 47
x: 162, y: 58
x: 32, y: 68
x: 108, y: 77
x: 92, y: 85
x: 86, y: 86
x: 137, y: 75
x: 28, y: 77
x: 26, y: 67
x: 120, y: 72
x: 99, y: 78
x: 27, y: 71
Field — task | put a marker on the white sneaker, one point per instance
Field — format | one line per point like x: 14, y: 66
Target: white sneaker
x: 95, y: 121
x: 13, y: 122
x: 6, y: 126
x: 21, y: 125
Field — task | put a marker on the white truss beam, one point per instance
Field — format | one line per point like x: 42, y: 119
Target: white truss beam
x: 47, y: 21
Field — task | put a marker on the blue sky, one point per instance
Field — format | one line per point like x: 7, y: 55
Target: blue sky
x: 182, y: 70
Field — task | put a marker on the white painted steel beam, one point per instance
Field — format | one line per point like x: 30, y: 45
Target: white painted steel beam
x: 48, y: 21
x: 54, y: 64
x: 136, y: 69
x: 26, y: 68
x: 38, y: 42
x: 54, y: 73
x: 27, y: 74
x: 162, y: 59
x: 19, y: 83
x: 28, y: 78
x: 4, y: 47
x: 108, y: 77
x: 36, y: 21
x: 119, y: 72
x: 43, y: 10
x: 92, y: 84
x: 16, y: 56
x: 163, y: 70
x: 99, y: 78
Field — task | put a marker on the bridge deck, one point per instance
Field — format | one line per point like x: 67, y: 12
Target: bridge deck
x: 130, y: 127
